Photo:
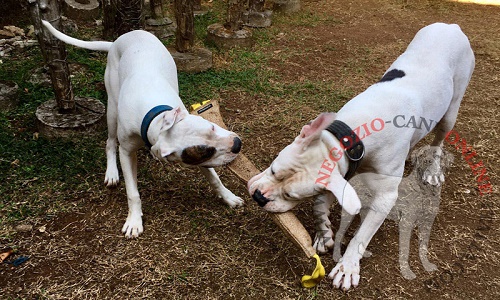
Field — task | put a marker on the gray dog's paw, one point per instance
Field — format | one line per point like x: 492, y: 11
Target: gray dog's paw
x: 433, y: 177
x: 407, y: 273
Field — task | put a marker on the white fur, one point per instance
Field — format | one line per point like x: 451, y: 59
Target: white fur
x: 438, y: 65
x: 141, y: 74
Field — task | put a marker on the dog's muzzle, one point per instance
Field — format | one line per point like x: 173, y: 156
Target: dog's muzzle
x: 236, y: 145
x: 259, y: 198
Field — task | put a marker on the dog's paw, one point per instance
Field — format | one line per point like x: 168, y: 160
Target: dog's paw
x: 235, y: 202
x: 345, y: 274
x: 407, y: 273
x: 429, y: 267
x: 112, y: 178
x: 323, y: 241
x: 433, y: 178
x: 132, y: 227
x: 433, y: 175
x: 232, y: 200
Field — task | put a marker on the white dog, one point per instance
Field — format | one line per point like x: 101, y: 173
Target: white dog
x: 417, y: 205
x: 144, y: 108
x: 421, y: 91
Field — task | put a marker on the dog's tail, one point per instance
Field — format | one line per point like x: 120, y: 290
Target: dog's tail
x: 97, y: 45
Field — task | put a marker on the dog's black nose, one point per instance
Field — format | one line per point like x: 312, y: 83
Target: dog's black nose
x: 259, y: 198
x: 236, y: 145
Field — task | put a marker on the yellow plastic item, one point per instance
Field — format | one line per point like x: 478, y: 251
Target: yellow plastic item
x: 310, y: 281
x: 198, y: 105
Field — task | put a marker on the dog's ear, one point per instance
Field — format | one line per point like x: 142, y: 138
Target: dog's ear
x: 345, y: 193
x: 312, y: 131
x: 171, y: 117
x: 446, y: 159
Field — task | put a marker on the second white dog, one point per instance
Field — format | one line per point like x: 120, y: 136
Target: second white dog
x: 420, y: 91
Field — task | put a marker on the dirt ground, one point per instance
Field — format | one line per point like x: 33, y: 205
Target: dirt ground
x: 194, y: 247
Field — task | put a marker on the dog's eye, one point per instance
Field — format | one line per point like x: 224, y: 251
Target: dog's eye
x: 272, y: 172
x: 213, y: 127
x: 287, y: 195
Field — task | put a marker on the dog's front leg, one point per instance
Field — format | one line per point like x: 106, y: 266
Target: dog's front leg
x: 133, y: 224
x: 346, y: 273
x: 324, y: 234
x: 229, y: 198
x: 406, y: 226
x: 424, y: 229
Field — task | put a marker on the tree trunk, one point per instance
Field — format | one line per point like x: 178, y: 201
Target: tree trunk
x: 256, y: 5
x: 54, y: 52
x: 184, y: 37
x: 196, y: 5
x: 156, y: 8
x: 109, y: 19
x: 234, y: 14
x: 121, y: 16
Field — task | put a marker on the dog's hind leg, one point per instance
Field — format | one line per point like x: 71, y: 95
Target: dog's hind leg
x: 459, y: 85
x: 227, y: 196
x: 112, y: 176
x: 345, y: 222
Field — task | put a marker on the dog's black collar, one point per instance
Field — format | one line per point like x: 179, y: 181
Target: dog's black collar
x: 353, y: 146
x: 148, y: 118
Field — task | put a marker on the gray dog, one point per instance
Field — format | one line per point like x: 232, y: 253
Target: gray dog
x: 417, y: 205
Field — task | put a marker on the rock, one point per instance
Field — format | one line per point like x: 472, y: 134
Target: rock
x: 5, y: 34
x: 15, y: 30
x: 24, y: 228
x: 258, y: 19
x: 286, y: 6
x: 159, y: 22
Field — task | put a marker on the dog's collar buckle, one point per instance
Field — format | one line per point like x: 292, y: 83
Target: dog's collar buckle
x: 356, y: 153
x: 352, y: 144
x: 148, y: 118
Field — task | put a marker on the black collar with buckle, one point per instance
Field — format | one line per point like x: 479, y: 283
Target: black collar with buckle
x: 353, y: 146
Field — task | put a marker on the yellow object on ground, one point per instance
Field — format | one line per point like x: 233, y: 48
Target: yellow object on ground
x: 242, y: 167
x: 310, y: 281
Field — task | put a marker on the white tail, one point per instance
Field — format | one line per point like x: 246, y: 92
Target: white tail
x: 97, y: 45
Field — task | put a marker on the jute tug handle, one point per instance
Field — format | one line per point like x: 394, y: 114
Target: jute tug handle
x: 242, y: 167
